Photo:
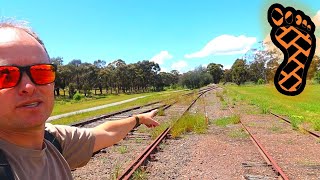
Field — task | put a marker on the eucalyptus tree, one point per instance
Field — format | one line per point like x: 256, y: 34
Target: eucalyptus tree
x: 195, y: 79
x: 100, y: 64
x: 239, y: 71
x: 58, y: 82
x: 227, y: 76
x: 120, y: 68
x: 109, y: 77
x: 176, y: 76
x: 216, y: 71
x: 132, y: 75
x: 74, y: 67
x: 147, y: 72
x: 314, y: 67
x: 88, y: 76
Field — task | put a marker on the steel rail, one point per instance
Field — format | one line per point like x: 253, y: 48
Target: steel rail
x: 288, y: 121
x: 264, y: 152
x: 151, y: 148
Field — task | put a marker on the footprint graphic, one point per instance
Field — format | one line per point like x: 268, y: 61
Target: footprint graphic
x: 293, y: 33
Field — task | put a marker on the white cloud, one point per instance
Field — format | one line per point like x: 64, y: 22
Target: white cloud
x: 179, y: 65
x: 159, y: 58
x: 204, y: 65
x: 225, y: 45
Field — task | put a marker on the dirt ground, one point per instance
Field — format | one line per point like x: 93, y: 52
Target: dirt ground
x: 228, y: 153
x: 221, y: 153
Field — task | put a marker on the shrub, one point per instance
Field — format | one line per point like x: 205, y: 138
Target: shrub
x: 77, y: 97
x: 261, y: 81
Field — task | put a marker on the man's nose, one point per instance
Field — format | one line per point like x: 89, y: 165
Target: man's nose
x: 26, y: 86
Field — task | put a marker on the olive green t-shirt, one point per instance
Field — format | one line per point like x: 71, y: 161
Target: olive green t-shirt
x: 48, y: 163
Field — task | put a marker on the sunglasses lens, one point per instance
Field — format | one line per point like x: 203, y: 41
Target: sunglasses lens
x: 9, y: 76
x: 43, y: 74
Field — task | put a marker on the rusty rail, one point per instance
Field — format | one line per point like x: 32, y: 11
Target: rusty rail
x: 289, y: 122
x: 264, y: 152
x: 141, y: 159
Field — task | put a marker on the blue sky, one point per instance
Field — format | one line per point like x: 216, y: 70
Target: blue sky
x: 174, y: 33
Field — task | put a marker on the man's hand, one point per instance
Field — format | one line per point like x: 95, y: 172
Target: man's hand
x: 111, y: 132
x: 147, y: 118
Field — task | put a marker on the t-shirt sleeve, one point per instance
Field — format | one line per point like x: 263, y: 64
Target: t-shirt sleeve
x: 76, y: 143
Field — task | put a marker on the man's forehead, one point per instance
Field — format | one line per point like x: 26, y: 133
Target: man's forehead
x: 18, y: 47
x: 10, y: 35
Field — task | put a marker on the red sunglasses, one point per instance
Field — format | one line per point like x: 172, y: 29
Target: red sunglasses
x: 39, y: 74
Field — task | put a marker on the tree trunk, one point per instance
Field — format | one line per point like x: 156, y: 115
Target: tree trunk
x: 57, y: 91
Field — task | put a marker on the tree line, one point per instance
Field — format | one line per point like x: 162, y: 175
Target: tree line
x: 258, y: 65
x: 115, y: 77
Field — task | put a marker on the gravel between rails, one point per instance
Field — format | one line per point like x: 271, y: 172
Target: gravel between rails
x: 113, y: 160
x: 221, y: 153
x: 214, y: 155
x: 295, y: 152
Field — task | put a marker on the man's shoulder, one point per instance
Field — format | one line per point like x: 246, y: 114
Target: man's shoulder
x: 63, y: 130
x: 52, y: 128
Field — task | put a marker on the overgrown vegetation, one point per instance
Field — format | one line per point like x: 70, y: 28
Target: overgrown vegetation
x: 122, y: 149
x: 224, y: 104
x: 160, y: 112
x: 234, y: 119
x: 139, y: 174
x: 115, y: 172
x: 159, y: 129
x: 301, y: 109
x: 189, y: 123
x: 142, y: 101
x: 238, y: 133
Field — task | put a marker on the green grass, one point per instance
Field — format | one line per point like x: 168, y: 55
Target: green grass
x: 139, y: 174
x: 238, y: 133
x: 82, y: 116
x: 138, y: 140
x: 189, y: 123
x: 122, y: 149
x: 115, y: 172
x: 305, y: 106
x: 161, y: 112
x: 65, y: 105
x: 234, y: 119
x: 275, y: 128
x: 159, y: 129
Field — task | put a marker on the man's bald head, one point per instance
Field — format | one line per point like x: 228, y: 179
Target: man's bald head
x: 9, y: 29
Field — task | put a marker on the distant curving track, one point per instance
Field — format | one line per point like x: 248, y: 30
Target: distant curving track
x: 152, y: 148
x: 108, y: 161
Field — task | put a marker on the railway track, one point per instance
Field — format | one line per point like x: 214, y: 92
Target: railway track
x: 112, y: 159
x: 265, y: 154
x: 145, y: 155
x: 289, y: 122
x: 290, y: 153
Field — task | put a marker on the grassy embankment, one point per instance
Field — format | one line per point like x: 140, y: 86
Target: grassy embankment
x: 65, y: 106
x: 303, y: 109
x: 180, y: 125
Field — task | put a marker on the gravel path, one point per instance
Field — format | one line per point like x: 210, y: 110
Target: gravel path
x: 93, y: 109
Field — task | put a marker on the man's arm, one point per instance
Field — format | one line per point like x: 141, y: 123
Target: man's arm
x: 111, y: 132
